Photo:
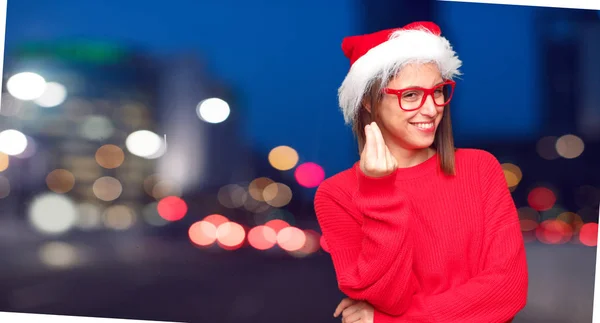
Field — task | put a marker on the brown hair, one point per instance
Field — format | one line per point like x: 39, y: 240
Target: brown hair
x: 443, y: 142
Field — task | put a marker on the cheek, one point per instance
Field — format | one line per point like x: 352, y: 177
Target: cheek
x: 391, y: 114
x: 440, y: 111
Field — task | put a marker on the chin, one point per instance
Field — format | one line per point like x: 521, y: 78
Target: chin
x: 419, y: 143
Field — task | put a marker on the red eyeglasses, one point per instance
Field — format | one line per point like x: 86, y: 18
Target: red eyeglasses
x: 413, y: 98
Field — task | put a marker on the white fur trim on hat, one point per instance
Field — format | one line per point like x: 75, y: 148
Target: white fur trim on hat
x: 386, y: 59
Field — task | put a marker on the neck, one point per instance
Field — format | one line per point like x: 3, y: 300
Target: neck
x: 410, y: 157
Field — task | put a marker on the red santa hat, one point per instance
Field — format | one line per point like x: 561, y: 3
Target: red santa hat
x: 382, y: 54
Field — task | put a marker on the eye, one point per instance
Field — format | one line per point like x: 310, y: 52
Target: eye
x: 410, y: 95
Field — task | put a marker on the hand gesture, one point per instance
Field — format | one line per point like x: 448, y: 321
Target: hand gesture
x: 376, y: 159
x: 355, y: 311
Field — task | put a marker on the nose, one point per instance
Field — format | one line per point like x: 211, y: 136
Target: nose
x: 428, y: 109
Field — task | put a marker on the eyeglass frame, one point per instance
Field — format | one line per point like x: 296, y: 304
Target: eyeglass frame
x: 426, y: 92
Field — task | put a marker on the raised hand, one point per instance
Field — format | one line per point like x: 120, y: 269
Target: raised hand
x: 376, y: 159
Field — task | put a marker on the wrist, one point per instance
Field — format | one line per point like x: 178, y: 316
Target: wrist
x: 369, y: 186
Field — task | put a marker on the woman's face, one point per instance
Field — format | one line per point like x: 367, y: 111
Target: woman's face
x: 416, y: 129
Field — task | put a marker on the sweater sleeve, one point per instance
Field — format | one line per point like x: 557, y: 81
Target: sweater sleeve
x: 374, y: 256
x: 499, y: 291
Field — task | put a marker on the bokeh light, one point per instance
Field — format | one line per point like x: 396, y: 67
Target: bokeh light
x: 12, y: 142
x: 257, y: 186
x: 26, y: 86
x: 512, y: 173
x: 216, y: 219
x: 277, y: 225
x: 291, y: 238
x: 144, y: 143
x: 164, y: 188
x: 213, y: 110
x: 309, y: 174
x: 262, y: 237
x: 53, y: 95
x: 311, y: 244
x: 203, y: 233
x: 283, y: 158
x: 52, y: 213
x: 554, y: 232
x: 96, y: 128
x: 58, y: 255
x: 107, y: 188
x: 4, y: 162
x: 119, y: 217
x: 172, y: 208
x: 277, y: 194
x: 546, y: 148
x: 230, y: 235
x: 572, y: 219
x: 151, y: 216
x: 30, y: 149
x: 60, y: 181
x: 110, y: 156
x: 89, y: 216
x: 150, y: 182
x: 569, y: 146
x: 254, y: 206
x: 232, y: 196
x: 588, y: 235
x: 529, y: 218
x: 541, y: 198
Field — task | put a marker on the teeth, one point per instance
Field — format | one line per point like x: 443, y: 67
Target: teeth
x: 424, y: 125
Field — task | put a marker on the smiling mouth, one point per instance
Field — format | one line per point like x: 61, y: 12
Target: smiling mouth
x: 423, y: 125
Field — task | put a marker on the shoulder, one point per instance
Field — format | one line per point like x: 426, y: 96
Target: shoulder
x: 340, y: 186
x: 482, y: 166
x: 476, y: 158
x: 474, y: 155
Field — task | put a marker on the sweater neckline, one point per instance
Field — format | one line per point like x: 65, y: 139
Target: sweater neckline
x: 429, y: 166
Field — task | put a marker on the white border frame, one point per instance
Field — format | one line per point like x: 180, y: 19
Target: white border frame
x: 567, y: 4
x: 19, y: 317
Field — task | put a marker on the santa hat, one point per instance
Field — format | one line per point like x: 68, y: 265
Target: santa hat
x: 380, y: 55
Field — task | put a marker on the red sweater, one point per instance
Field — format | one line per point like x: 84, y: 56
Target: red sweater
x: 421, y: 246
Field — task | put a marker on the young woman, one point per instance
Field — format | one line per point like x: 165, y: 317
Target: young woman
x: 418, y: 231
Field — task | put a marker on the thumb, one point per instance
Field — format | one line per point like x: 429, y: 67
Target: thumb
x: 346, y: 302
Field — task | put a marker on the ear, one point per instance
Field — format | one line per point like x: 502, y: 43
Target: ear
x: 367, y: 105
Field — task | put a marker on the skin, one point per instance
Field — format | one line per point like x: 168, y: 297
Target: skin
x: 396, y: 142
x: 407, y: 144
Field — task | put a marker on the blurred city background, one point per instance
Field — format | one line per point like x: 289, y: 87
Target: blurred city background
x: 159, y: 160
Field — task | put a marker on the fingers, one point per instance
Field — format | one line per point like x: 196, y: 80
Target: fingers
x: 376, y: 159
x: 352, y: 309
x: 355, y: 317
x: 356, y: 313
x: 379, y: 142
x: 345, y: 303
x: 390, y: 159
x: 370, y: 148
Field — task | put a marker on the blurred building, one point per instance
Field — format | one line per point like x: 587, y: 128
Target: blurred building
x: 96, y: 95
x: 200, y: 117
